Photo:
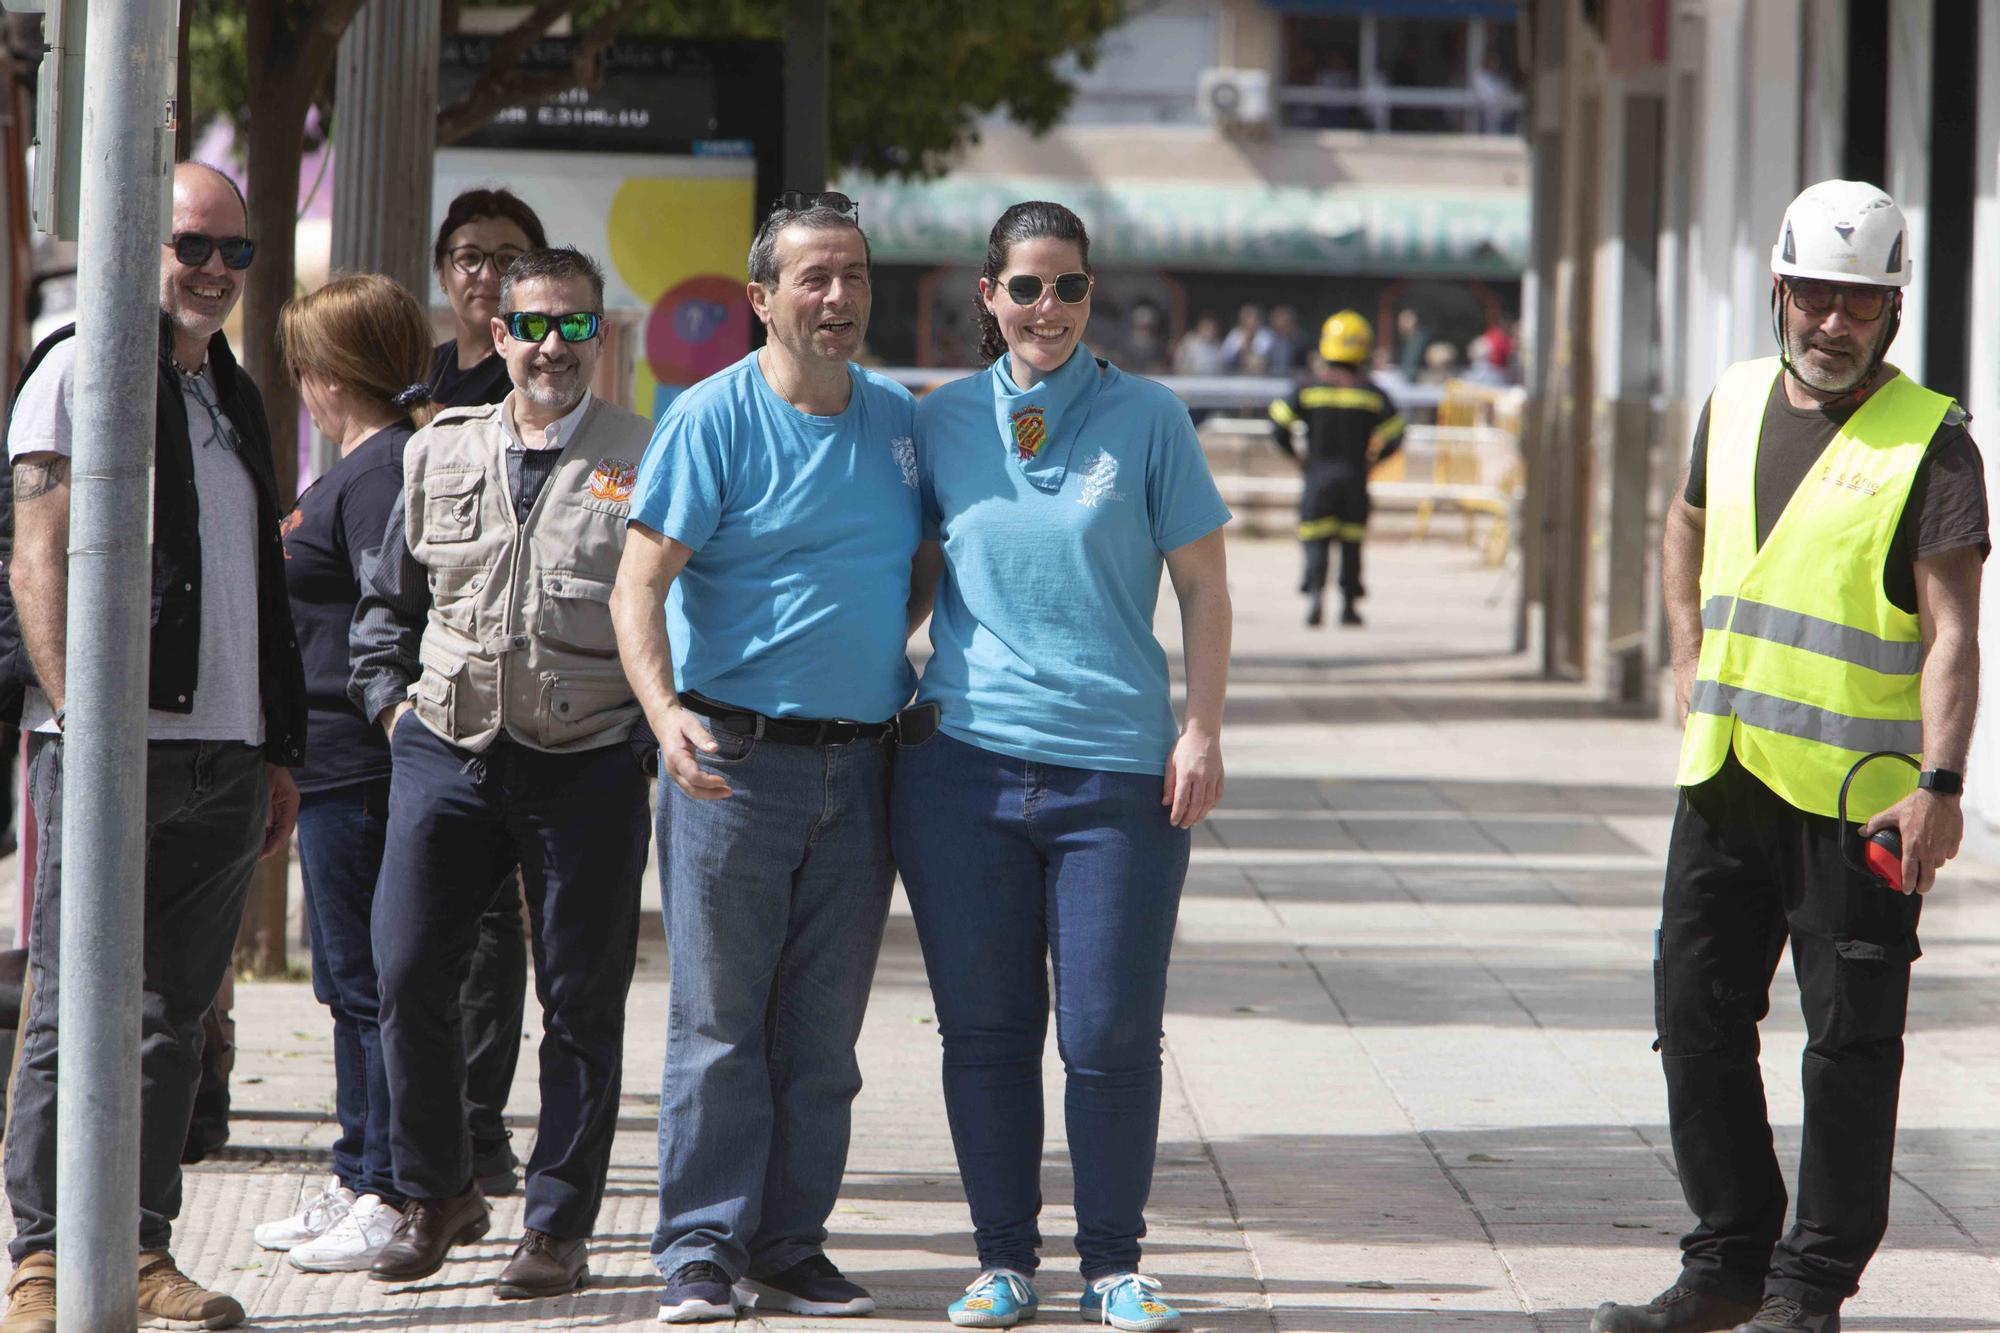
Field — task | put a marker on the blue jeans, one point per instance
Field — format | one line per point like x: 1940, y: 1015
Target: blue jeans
x: 206, y: 806
x: 1012, y: 866
x: 775, y: 898
x: 340, y: 855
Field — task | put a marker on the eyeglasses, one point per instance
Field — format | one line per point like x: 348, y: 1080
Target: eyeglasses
x: 1026, y: 288
x: 1818, y: 298
x: 798, y: 201
x: 469, y: 259
x: 578, y: 326
x: 193, y: 249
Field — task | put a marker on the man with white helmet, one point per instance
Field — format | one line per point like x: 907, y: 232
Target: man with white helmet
x: 1822, y: 592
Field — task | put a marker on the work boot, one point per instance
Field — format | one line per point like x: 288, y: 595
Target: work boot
x: 31, y: 1296
x: 168, y: 1298
x: 1782, y: 1314
x: 1349, y: 615
x: 1315, y: 611
x: 1678, y: 1309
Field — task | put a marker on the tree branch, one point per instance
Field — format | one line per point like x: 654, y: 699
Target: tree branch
x: 503, y: 82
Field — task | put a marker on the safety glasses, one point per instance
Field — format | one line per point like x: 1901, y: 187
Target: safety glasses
x: 1817, y: 298
x: 798, y: 201
x: 578, y: 326
x: 1026, y: 288
x: 469, y: 259
x: 193, y: 249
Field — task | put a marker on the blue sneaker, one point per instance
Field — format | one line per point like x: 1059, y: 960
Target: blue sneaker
x: 696, y: 1292
x: 1126, y: 1300
x: 997, y: 1298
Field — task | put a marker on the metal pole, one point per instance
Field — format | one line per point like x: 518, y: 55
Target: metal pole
x: 127, y: 67
x: 807, y: 81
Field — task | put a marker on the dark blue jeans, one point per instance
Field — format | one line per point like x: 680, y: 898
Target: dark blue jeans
x: 1012, y: 866
x: 206, y: 806
x: 575, y: 824
x: 340, y: 855
x: 775, y: 898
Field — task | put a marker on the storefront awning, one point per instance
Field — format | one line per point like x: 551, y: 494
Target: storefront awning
x: 1371, y: 231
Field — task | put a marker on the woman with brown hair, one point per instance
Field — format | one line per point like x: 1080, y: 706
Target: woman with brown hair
x: 359, y: 351
x: 482, y: 233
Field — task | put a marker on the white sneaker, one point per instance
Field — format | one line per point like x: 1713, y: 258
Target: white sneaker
x: 317, y: 1218
x: 354, y: 1241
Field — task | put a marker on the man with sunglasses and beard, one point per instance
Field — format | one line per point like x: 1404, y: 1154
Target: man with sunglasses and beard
x: 763, y: 608
x: 483, y: 645
x: 225, y: 723
x: 1822, y: 571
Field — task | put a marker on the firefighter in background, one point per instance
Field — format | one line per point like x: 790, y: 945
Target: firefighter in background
x: 1349, y: 426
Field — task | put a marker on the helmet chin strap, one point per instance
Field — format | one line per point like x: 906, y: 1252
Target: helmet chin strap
x: 1781, y: 296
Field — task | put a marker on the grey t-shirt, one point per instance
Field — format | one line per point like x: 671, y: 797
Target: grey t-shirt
x: 227, y: 706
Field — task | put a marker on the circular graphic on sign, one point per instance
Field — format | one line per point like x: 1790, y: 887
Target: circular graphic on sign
x: 699, y: 326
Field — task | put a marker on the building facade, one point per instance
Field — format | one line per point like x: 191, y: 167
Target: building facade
x: 1666, y: 137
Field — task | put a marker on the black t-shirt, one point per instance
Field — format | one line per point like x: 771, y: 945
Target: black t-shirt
x: 338, y: 525
x: 1947, y: 505
x: 486, y: 382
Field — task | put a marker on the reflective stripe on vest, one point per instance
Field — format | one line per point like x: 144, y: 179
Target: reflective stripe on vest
x: 1805, y: 663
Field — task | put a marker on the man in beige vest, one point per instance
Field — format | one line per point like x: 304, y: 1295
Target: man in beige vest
x: 486, y: 616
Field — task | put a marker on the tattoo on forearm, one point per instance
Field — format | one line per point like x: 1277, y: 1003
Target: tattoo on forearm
x: 37, y: 479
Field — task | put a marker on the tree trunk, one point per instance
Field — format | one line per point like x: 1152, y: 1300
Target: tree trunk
x: 287, y: 63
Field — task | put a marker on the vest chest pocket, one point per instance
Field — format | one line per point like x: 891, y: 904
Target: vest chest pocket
x: 451, y: 506
x: 576, y: 614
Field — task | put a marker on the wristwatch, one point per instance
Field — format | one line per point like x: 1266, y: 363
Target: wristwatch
x: 1942, y: 781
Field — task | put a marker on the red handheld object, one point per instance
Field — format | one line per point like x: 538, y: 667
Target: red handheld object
x: 1884, y: 854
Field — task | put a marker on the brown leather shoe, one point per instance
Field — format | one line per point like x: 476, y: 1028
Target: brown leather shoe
x: 544, y: 1266
x: 168, y: 1298
x: 31, y: 1296
x: 428, y: 1228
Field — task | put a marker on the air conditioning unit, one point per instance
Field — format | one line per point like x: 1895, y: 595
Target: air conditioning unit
x: 1235, y: 97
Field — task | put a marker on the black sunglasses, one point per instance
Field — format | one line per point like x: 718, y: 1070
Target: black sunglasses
x: 193, y: 249
x: 578, y: 326
x: 1817, y: 298
x: 1026, y: 288
x: 798, y: 201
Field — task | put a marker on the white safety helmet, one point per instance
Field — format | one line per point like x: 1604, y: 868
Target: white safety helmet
x: 1844, y: 231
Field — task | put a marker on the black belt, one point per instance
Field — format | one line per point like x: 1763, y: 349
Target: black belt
x: 785, y: 730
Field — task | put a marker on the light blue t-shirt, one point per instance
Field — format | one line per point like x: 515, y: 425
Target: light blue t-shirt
x: 803, y: 528
x: 1053, y: 527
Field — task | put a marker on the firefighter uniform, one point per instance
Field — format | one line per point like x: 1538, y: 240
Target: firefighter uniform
x: 1348, y: 428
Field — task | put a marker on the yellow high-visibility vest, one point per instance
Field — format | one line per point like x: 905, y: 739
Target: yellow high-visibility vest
x: 1806, y: 665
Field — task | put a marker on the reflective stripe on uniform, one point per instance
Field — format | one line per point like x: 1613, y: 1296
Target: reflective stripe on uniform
x: 1788, y: 717
x: 1281, y: 412
x: 1392, y: 429
x: 1322, y: 395
x: 1320, y: 529
x: 1828, y: 638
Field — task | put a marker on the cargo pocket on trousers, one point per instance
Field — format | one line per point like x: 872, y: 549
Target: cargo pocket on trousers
x: 1871, y: 989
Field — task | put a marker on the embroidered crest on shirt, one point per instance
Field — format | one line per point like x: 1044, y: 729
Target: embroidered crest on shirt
x: 1099, y: 475
x: 904, y: 449
x: 1030, y: 433
x: 613, y: 479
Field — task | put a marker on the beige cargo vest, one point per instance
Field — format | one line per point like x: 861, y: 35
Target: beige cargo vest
x: 519, y: 634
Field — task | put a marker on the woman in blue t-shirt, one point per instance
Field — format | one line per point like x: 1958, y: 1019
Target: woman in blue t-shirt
x: 1046, y: 819
x: 359, y: 350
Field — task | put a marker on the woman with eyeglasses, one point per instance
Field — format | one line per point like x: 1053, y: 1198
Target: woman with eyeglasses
x: 1046, y: 819
x: 359, y: 350
x: 483, y: 232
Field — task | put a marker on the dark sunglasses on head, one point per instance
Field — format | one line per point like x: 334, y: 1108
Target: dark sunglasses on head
x: 1817, y: 298
x: 578, y: 326
x: 798, y: 201
x: 1026, y: 288
x: 193, y: 249
x: 469, y: 259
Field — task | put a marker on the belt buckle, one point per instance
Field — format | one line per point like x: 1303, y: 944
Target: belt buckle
x: 838, y: 731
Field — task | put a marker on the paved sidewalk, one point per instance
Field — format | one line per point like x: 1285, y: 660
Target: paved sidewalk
x: 1409, y: 1080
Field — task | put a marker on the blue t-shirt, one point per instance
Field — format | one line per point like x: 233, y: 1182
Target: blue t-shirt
x: 1053, y: 531
x: 803, y: 528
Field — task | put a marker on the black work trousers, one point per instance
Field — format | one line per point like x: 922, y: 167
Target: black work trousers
x: 1746, y: 870
x: 1318, y: 552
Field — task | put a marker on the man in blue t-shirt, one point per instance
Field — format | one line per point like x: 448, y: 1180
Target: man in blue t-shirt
x: 762, y: 610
